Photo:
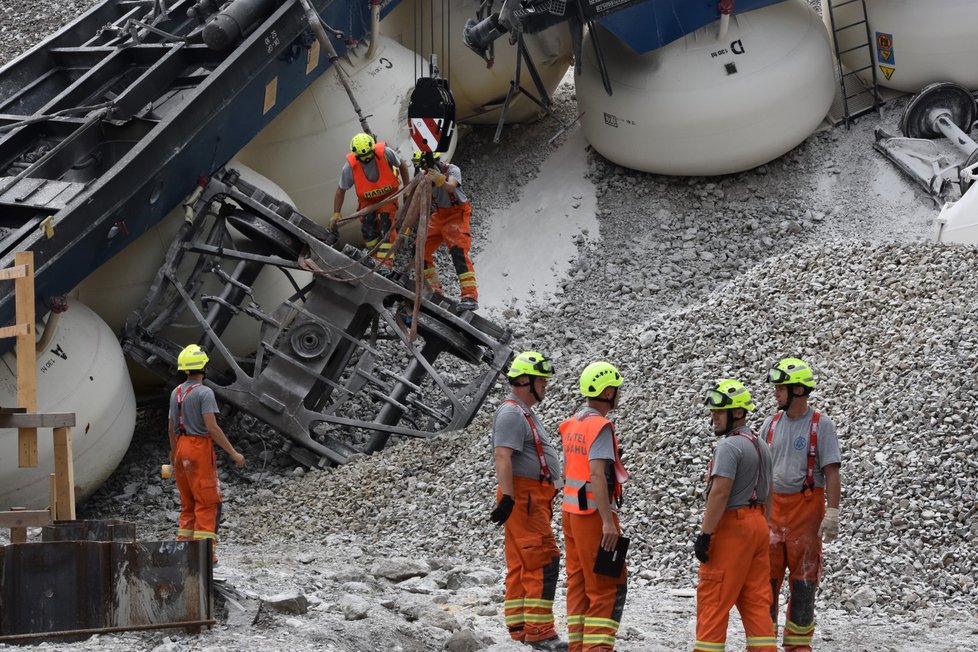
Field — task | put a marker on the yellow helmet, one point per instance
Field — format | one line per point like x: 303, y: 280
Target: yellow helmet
x: 420, y: 156
x: 530, y: 363
x: 727, y: 395
x: 363, y: 145
x: 791, y: 371
x: 597, y: 377
x: 192, y: 358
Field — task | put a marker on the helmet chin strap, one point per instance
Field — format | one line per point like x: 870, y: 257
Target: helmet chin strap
x: 533, y: 390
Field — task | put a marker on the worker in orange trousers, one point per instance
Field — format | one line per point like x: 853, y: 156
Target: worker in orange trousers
x: 193, y: 430
x: 732, y: 546
x: 528, y: 476
x: 593, y: 477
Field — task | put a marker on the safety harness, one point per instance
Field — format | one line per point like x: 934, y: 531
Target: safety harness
x: 812, y: 447
x: 752, y: 438
x: 181, y: 427
x: 545, y: 475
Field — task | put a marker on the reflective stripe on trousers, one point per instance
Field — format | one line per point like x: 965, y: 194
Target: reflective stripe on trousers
x: 594, y: 602
x: 451, y: 227
x: 532, y: 561
x: 737, y: 574
x: 195, y: 471
x: 796, y: 546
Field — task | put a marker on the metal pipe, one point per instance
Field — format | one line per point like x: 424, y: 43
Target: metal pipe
x: 952, y: 132
x: 724, y: 26
x: 374, y: 28
x: 316, y: 24
x: 108, y: 630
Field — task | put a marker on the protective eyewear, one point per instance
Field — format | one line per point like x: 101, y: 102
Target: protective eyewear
x: 544, y: 366
x: 716, y: 400
x: 778, y: 376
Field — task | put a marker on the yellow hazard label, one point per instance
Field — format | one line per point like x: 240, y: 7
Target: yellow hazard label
x: 888, y: 71
x: 271, y: 91
x: 312, y: 57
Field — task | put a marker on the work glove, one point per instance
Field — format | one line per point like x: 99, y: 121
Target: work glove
x: 503, y: 509
x: 334, y: 218
x: 829, y: 529
x: 702, y: 546
x: 437, y: 178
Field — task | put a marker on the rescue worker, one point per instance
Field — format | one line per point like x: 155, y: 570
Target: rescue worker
x: 528, y: 475
x: 593, y: 477
x: 375, y: 172
x: 806, y: 456
x: 193, y: 429
x: 732, y: 545
x: 449, y: 225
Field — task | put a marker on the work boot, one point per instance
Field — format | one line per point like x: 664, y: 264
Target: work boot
x: 552, y: 644
x: 468, y: 303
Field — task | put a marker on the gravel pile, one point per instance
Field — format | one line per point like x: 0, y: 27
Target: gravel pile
x: 820, y: 254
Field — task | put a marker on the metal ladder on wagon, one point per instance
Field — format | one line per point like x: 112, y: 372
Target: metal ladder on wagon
x: 865, y: 99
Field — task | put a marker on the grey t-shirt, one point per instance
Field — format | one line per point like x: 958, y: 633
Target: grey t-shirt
x: 369, y: 169
x: 441, y: 197
x: 510, y: 429
x: 737, y: 458
x: 790, y: 450
x: 197, y: 402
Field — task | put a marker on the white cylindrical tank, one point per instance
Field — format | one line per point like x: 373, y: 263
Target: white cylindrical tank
x: 479, y: 91
x: 303, y: 149
x: 913, y: 43
x: 115, y: 289
x: 81, y: 369
x: 716, y: 101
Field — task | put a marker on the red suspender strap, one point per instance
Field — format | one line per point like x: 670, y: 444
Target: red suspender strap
x: 544, y: 467
x: 812, y: 451
x: 181, y: 428
x: 774, y: 422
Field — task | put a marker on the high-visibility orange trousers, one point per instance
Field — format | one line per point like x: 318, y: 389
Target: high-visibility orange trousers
x: 450, y: 226
x: 532, y: 561
x: 737, y: 574
x: 195, y: 470
x: 795, y: 544
x: 594, y: 602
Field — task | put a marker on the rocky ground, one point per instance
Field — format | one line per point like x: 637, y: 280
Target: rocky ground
x: 823, y: 253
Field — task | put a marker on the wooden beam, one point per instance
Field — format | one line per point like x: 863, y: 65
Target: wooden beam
x: 14, y: 331
x: 51, y: 420
x: 17, y: 271
x: 25, y: 518
x: 26, y: 358
x: 64, y: 476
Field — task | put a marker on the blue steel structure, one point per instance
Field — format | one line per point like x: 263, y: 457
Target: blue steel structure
x: 166, y: 113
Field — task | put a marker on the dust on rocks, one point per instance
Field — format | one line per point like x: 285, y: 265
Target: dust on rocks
x: 823, y: 253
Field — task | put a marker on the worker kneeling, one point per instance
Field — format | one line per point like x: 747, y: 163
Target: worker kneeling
x: 733, y: 543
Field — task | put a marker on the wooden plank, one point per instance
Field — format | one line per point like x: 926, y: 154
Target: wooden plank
x: 26, y: 359
x: 25, y: 518
x: 53, y: 507
x: 14, y: 331
x: 64, y: 476
x: 52, y: 420
x: 17, y: 271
